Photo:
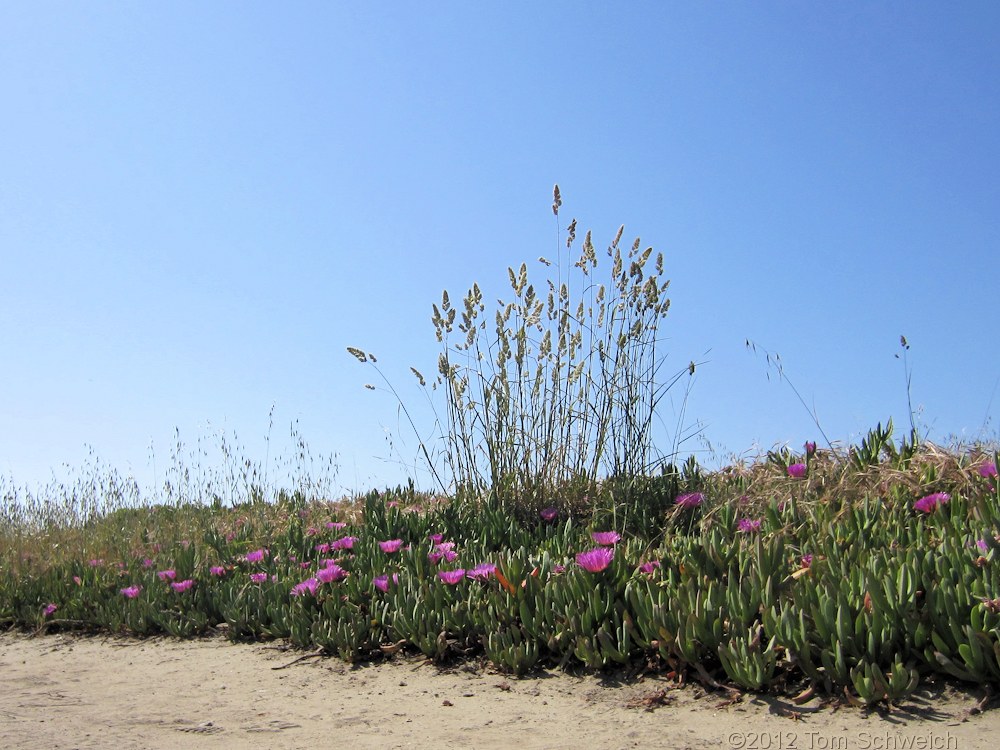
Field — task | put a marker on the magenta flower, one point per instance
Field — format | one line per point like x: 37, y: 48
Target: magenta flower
x: 322, y: 549
x: 747, y: 525
x: 549, y: 514
x: 929, y: 503
x: 77, y: 580
x: 167, y: 575
x: 346, y: 542
x: 256, y: 555
x: 184, y: 585
x: 305, y: 565
x: 95, y: 563
x: 391, y: 546
x: 436, y: 538
x: 217, y: 570
x: 605, y: 538
x: 987, y: 470
x: 445, y: 546
x: 131, y: 592
x: 482, y: 571
x: 649, y: 567
x: 983, y: 545
x: 382, y: 582
x: 690, y: 500
x: 451, y: 577
x: 335, y: 525
x: 435, y: 557
x: 308, y: 586
x: 49, y: 609
x: 797, y: 470
x: 595, y: 560
x: 806, y: 561
x: 147, y: 562
x: 258, y: 577
x: 331, y: 573
x: 558, y: 568
x: 810, y: 448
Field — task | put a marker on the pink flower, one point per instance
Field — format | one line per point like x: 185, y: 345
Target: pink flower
x: 983, y: 545
x: 549, y: 514
x: 929, y: 503
x: 49, y: 609
x: 482, y: 571
x: 451, y: 577
x: 331, y: 573
x: 217, y: 570
x: 346, y: 542
x: 77, y: 580
x: 649, y: 567
x: 335, y: 525
x: 308, y: 586
x: 131, y: 592
x: 605, y: 538
x: 987, y: 470
x: 322, y: 549
x: 797, y: 470
x: 258, y: 577
x: 595, y: 560
x: 436, y: 538
x: 557, y: 569
x: 391, y: 546
x: 806, y: 561
x: 95, y: 563
x: 445, y: 546
x: 147, y: 562
x: 810, y: 448
x: 305, y: 565
x: 691, y: 500
x: 382, y: 582
x: 182, y: 585
x: 166, y: 575
x: 256, y: 555
x: 747, y: 525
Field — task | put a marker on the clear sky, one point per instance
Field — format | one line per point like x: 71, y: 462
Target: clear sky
x: 203, y: 204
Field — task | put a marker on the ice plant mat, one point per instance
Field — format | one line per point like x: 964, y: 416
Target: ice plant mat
x: 64, y: 691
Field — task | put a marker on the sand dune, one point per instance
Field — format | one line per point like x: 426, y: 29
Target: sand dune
x: 62, y: 691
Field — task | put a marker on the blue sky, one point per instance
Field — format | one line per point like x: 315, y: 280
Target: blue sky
x: 203, y: 204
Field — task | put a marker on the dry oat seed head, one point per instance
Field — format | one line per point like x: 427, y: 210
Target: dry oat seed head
x: 571, y: 233
x: 556, y: 200
x: 543, y: 260
x: 369, y: 386
x: 357, y: 354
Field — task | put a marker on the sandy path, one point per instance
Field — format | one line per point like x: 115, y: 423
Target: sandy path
x: 62, y: 691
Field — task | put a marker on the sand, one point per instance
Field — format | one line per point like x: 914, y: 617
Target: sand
x: 66, y: 691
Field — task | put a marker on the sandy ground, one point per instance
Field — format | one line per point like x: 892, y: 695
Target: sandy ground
x: 61, y: 691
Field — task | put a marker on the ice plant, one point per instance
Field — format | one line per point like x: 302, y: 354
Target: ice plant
x: 595, y: 560
x: 549, y: 514
x: 482, y: 572
x: 746, y: 525
x: 258, y: 577
x: 690, y: 500
x: 987, y: 470
x: 649, y: 567
x: 436, y: 538
x: 256, y: 555
x: 928, y: 503
x: 390, y: 546
x: 331, y: 573
x: 147, y: 562
x: 131, y: 592
x: 797, y: 470
x: 451, y: 577
x: 308, y: 586
x: 184, y: 585
x: 167, y: 575
x: 605, y: 538
x: 382, y: 582
x: 806, y: 561
x: 346, y: 542
x: 810, y: 448
x: 335, y: 525
x: 49, y: 609
x: 322, y: 549
x: 217, y: 570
